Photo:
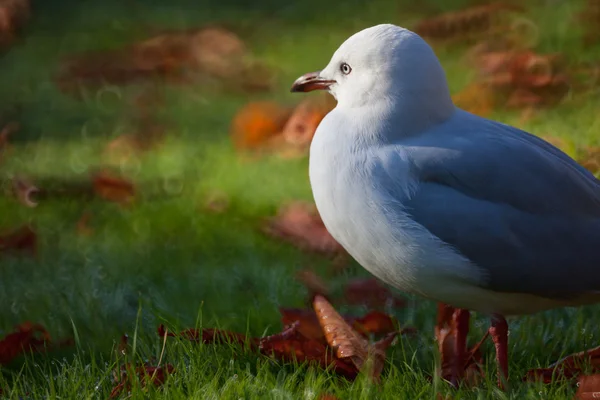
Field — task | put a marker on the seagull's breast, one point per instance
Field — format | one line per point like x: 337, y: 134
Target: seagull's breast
x: 361, y: 205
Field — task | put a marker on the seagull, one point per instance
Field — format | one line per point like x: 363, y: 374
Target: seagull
x: 444, y: 204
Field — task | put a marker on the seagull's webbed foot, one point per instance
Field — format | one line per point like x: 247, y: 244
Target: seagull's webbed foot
x: 499, y: 333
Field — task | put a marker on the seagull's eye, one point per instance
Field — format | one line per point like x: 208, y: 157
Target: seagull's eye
x: 345, y: 68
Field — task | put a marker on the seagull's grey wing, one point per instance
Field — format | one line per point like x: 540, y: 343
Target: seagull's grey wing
x: 520, y: 252
x: 492, y: 161
x: 517, y: 207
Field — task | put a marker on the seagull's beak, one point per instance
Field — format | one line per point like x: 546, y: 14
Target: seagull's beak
x: 311, y: 81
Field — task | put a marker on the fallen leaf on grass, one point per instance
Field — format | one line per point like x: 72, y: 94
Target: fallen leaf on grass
x: 588, y: 387
x: 304, y: 339
x: 522, y: 78
x: 256, y: 123
x: 590, y: 159
x: 371, y: 293
x: 290, y: 345
x: 373, y: 323
x: 204, y: 55
x: 13, y: 15
x: 25, y: 190
x: 568, y: 367
x: 476, y: 98
x: 349, y: 344
x: 300, y: 224
x: 27, y: 337
x: 326, y: 396
x: 146, y: 374
x: 113, y: 188
x: 21, y: 240
x: 306, y: 117
x: 590, y: 17
x: 469, y: 23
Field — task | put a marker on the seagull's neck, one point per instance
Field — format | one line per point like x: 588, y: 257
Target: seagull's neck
x: 388, y: 120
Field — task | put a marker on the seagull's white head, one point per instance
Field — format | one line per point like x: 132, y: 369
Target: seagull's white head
x: 385, y: 63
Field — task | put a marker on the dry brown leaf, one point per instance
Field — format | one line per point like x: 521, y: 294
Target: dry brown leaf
x: 13, y: 15
x: 568, y: 367
x: 472, y: 22
x: 302, y: 124
x: 348, y: 343
x: 588, y: 387
x: 524, y: 78
x: 25, y: 191
x: 476, y: 98
x: 27, y: 338
x: 371, y: 293
x: 373, y: 323
x: 178, y: 57
x: 257, y: 122
x: 300, y: 224
x: 326, y: 396
x: 590, y: 159
x: 590, y: 17
x: 113, y: 188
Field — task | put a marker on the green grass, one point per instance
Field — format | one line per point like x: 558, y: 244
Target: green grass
x: 168, y: 261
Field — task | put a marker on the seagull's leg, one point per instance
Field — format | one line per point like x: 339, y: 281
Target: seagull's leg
x: 499, y: 333
x: 460, y: 322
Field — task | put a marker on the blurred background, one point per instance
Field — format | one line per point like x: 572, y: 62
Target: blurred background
x: 150, y: 150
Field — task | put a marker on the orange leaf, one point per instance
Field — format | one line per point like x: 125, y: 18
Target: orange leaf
x: 300, y: 224
x: 113, y: 188
x: 375, y: 322
x: 308, y: 324
x: 349, y: 344
x: 256, y: 123
x: 588, y: 387
x: 302, y: 124
x: 371, y: 293
x: 289, y: 345
x: 476, y: 98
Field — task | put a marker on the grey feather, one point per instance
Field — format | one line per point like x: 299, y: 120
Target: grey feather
x: 517, y: 207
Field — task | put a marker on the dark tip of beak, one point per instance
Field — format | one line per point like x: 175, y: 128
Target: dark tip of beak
x: 309, y: 82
